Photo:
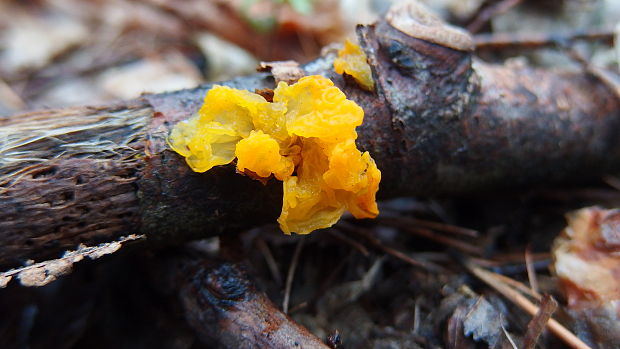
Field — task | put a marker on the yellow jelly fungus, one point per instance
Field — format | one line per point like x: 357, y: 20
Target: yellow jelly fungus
x: 352, y: 60
x: 305, y: 138
x: 260, y: 154
x: 209, y: 138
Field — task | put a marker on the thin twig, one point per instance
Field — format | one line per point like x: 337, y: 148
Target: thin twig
x: 340, y: 236
x: 389, y: 250
x: 607, y: 77
x: 537, y: 325
x: 513, y: 263
x: 514, y: 296
x: 291, y: 274
x: 488, y: 12
x: 499, y: 41
x: 408, y: 227
x: 439, y: 226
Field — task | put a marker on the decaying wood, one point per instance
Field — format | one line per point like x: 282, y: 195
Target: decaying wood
x: 225, y: 309
x: 440, y: 122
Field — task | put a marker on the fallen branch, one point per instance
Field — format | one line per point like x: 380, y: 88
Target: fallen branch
x: 536, y: 326
x: 439, y: 123
x: 226, y: 310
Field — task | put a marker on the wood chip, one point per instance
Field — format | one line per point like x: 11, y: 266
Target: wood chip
x: 287, y: 71
x: 41, y: 274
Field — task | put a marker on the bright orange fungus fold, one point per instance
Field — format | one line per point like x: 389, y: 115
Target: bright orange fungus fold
x: 352, y: 60
x: 305, y: 138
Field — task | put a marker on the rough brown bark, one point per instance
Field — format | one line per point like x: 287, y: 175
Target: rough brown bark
x: 439, y: 123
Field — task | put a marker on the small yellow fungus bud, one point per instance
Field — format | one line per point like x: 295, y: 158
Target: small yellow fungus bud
x: 308, y: 131
x: 260, y: 154
x: 346, y: 167
x: 352, y: 60
x: 363, y: 204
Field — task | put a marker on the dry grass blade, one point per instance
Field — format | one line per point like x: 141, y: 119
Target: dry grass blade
x: 270, y: 260
x: 519, y: 286
x: 531, y: 271
x: 512, y: 342
x: 359, y: 247
x: 291, y: 274
x: 513, y: 261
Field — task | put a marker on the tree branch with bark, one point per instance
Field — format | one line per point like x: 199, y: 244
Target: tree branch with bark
x: 440, y: 122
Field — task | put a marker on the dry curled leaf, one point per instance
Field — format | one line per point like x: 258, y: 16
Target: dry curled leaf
x: 484, y: 323
x: 587, y: 263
